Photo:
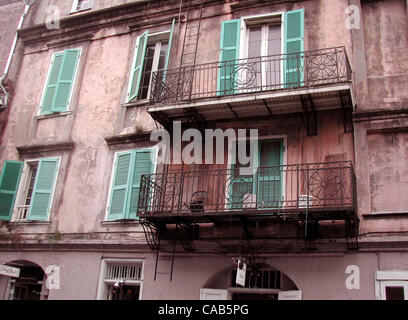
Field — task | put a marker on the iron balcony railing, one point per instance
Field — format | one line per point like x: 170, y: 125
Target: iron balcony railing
x: 274, y: 72
x: 289, y: 188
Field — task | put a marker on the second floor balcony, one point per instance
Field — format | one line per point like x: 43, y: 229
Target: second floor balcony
x: 254, y: 87
x: 322, y: 191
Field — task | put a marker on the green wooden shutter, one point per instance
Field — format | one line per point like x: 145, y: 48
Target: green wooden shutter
x: 60, y: 81
x: 137, y: 68
x: 43, y: 189
x: 270, y: 174
x: 293, y: 43
x: 143, y: 165
x: 229, y: 50
x: 51, y: 89
x: 166, y: 63
x: 9, y: 181
x: 120, y: 185
x: 66, y: 80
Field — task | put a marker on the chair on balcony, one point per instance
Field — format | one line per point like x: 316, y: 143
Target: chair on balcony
x: 197, y: 202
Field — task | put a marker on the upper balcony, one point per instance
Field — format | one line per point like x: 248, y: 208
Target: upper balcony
x: 307, y: 81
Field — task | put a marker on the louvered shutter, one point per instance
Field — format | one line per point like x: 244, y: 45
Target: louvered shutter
x: 43, y: 189
x: 294, y: 47
x: 137, y: 69
x: 9, y: 182
x: 143, y: 165
x: 120, y: 186
x: 60, y: 81
x: 229, y: 52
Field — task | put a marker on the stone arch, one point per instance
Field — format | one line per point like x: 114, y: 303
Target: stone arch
x: 256, y: 287
x: 30, y: 285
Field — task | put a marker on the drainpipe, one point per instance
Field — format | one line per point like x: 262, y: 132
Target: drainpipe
x: 3, y: 102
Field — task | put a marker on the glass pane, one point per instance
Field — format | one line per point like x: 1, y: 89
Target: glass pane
x: 31, y: 185
x: 255, y: 42
x: 253, y: 77
x: 394, y: 293
x: 124, y: 292
x: 163, y: 53
x: 274, y: 49
x: 84, y: 4
x: 270, y: 153
x: 147, y: 71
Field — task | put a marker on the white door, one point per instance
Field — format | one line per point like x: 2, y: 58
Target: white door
x: 290, y: 295
x: 213, y: 294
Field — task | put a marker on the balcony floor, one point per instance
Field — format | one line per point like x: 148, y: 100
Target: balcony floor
x: 290, y: 214
x: 257, y: 104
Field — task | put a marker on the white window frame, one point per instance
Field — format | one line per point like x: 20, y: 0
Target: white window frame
x: 73, y: 82
x: 390, y: 279
x: 101, y: 292
x: 155, y: 38
x: 244, y: 36
x: 23, y: 188
x: 75, y: 4
x: 155, y: 149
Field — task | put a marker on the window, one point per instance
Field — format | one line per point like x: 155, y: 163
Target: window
x: 154, y: 61
x: 260, y: 279
x: 151, y: 55
x: 120, y: 280
x: 80, y: 5
x: 265, y: 45
x: 391, y: 285
x: 32, y: 168
x: 61, y: 77
x: 263, y: 189
x: 265, y: 40
x: 31, y: 188
x: 125, y: 183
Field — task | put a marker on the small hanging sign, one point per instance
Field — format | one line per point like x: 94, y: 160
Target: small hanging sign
x: 241, y: 273
x: 9, y: 271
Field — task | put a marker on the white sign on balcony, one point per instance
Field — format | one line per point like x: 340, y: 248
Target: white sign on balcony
x: 9, y: 271
x: 241, y: 273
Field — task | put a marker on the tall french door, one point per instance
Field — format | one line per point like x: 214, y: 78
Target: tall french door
x: 263, y: 188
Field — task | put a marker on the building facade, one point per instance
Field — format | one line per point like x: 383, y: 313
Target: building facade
x: 92, y: 207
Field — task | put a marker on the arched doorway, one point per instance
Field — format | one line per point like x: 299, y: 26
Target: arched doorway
x: 262, y: 282
x: 29, y: 285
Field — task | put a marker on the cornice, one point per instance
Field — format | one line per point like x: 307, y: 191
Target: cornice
x: 48, y: 147
x: 135, y: 15
x: 246, y: 4
x: 379, y: 114
x: 215, y: 246
x: 127, y: 138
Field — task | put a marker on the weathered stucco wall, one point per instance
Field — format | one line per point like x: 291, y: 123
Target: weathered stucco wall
x: 385, y: 28
x: 388, y: 171
x: 47, y: 8
x: 96, y: 112
x: 10, y: 13
x: 381, y: 121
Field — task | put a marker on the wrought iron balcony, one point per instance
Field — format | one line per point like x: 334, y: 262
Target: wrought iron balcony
x: 325, y: 191
x: 276, y: 72
x: 304, y: 82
